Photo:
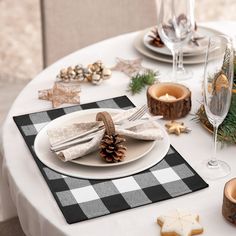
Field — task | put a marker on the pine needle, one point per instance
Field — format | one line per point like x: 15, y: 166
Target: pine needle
x: 227, y: 130
x: 141, y: 80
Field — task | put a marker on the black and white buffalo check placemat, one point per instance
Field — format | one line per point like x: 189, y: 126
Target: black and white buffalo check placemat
x: 82, y: 199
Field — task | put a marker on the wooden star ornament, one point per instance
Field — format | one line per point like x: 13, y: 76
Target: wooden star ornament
x: 179, y: 223
x: 60, y: 94
x: 174, y: 127
x: 129, y: 67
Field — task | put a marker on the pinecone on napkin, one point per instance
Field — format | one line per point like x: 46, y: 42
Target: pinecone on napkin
x: 112, y: 148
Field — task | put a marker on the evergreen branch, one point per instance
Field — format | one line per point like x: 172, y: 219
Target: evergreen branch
x: 140, y: 81
x: 227, y: 130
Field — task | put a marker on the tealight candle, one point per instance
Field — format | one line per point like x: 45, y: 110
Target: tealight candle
x: 167, y: 97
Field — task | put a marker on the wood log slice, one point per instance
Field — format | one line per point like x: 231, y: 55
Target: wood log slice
x: 173, y: 109
x: 229, y: 201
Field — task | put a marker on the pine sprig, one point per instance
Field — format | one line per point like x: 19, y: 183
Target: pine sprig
x: 234, y: 85
x: 227, y: 130
x: 141, y: 80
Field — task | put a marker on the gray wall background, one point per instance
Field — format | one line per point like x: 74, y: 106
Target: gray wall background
x: 20, y: 44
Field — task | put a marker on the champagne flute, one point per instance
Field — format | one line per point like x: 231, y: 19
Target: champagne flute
x: 175, y: 26
x: 217, y: 90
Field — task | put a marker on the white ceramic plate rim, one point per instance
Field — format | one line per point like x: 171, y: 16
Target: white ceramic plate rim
x: 165, y: 51
x: 139, y: 46
x: 88, y: 172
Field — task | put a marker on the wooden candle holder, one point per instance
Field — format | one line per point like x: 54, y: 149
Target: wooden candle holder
x: 172, y: 109
x: 229, y: 201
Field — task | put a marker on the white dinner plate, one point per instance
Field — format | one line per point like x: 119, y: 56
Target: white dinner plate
x: 142, y: 49
x: 148, y: 155
x: 139, y: 46
x: 189, y: 50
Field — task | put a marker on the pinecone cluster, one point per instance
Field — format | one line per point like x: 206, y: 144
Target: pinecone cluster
x: 94, y: 73
x: 112, y: 149
x: 156, y: 39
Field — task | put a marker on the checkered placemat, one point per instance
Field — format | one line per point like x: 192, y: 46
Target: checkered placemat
x: 81, y: 199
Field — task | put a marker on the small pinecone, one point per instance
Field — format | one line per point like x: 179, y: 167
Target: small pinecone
x: 156, y: 39
x: 111, y: 148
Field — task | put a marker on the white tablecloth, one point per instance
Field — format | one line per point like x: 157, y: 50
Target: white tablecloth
x: 24, y: 191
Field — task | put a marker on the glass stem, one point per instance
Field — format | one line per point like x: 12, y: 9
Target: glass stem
x: 175, y: 60
x: 180, y: 66
x: 213, y: 162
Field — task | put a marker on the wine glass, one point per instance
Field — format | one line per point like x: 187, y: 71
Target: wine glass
x: 217, y: 90
x: 175, y: 26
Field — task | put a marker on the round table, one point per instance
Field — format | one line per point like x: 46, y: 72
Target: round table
x: 31, y: 198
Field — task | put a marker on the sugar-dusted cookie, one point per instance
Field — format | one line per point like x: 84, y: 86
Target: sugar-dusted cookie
x: 179, y: 223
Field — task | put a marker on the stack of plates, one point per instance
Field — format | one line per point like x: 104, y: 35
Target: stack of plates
x: 192, y: 54
x: 141, y: 154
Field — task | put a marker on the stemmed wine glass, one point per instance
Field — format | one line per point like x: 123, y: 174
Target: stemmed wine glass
x: 175, y: 26
x: 182, y: 73
x: 217, y: 90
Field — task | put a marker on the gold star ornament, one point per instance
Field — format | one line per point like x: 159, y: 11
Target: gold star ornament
x: 129, y: 67
x: 61, y: 93
x: 179, y: 223
x: 174, y: 127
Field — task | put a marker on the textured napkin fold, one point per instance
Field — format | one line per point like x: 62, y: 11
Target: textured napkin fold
x: 148, y: 130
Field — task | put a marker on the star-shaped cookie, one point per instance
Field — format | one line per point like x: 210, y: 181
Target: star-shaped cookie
x: 60, y: 94
x: 179, y: 223
x: 174, y: 127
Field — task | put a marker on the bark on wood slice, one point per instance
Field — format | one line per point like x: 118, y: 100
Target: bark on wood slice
x: 169, y: 109
x: 229, y: 201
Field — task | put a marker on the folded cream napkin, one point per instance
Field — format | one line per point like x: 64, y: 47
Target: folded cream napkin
x: 148, y: 130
